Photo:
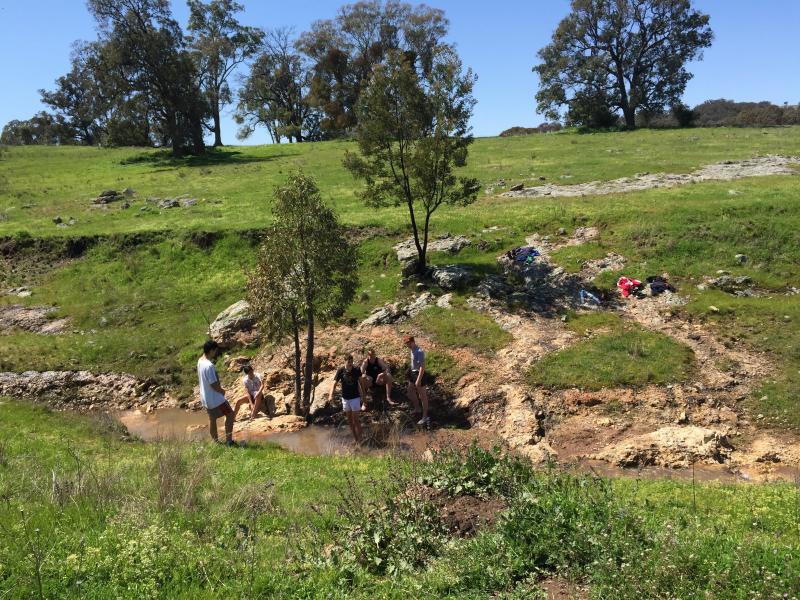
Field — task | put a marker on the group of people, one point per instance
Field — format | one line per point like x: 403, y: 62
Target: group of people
x: 358, y: 383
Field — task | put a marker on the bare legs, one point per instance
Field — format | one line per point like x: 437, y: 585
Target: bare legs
x: 417, y: 393
x: 355, y: 425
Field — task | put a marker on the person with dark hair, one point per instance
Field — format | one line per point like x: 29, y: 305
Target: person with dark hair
x: 350, y: 376
x: 254, y: 395
x: 375, y: 372
x: 416, y: 380
x: 212, y: 395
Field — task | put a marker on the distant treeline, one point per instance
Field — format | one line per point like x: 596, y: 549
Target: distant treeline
x: 148, y: 81
x: 711, y: 113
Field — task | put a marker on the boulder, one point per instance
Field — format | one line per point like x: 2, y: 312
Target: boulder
x: 168, y: 203
x: 517, y: 188
x: 452, y: 277
x: 263, y: 425
x: 237, y: 318
x: 321, y: 407
x: 107, y: 196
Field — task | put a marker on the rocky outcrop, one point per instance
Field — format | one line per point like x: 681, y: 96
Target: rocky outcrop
x: 264, y: 426
x: 396, y: 312
x: 452, y: 277
x: 82, y: 389
x: 407, y: 249
x: 724, y: 171
x: 234, y: 326
x: 36, y: 319
x: 672, y: 447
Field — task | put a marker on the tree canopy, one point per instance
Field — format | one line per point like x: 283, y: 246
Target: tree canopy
x: 626, y: 55
x: 344, y: 51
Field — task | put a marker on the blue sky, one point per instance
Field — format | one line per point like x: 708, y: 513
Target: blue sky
x: 754, y: 55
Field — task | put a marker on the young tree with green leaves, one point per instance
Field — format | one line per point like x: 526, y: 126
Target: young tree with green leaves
x: 306, y: 274
x: 413, y: 132
x: 219, y: 43
x: 629, y: 54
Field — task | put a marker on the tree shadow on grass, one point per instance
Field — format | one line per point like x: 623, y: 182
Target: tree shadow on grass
x: 212, y: 157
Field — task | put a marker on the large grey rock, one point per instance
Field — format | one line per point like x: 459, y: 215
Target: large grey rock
x: 452, y: 277
x: 321, y: 406
x: 398, y: 311
x: 234, y: 320
x: 407, y: 250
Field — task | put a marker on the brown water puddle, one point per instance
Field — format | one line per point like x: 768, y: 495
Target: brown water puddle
x: 316, y: 440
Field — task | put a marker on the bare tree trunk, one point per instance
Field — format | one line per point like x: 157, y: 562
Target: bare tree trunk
x: 308, y: 375
x: 297, y: 390
x: 217, y: 126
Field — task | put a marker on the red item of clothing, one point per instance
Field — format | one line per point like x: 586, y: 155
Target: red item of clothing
x: 627, y: 285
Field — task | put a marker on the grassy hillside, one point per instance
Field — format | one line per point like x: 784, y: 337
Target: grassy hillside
x: 86, y: 514
x: 139, y: 297
x: 233, y: 185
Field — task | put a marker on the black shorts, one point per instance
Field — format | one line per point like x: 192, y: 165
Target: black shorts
x: 413, y: 375
x: 223, y: 409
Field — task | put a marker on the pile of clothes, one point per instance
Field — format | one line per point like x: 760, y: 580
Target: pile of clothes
x: 658, y: 285
x: 523, y: 254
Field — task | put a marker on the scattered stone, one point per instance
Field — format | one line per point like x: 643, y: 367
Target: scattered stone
x: 125, y: 205
x: 72, y: 221
x: 398, y: 311
x: 128, y: 192
x: 168, y: 203
x: 741, y: 258
x: 187, y: 202
x: 57, y: 220
x: 79, y: 389
x: 444, y: 301
x: 517, y: 188
x: 561, y: 231
x: 107, y: 196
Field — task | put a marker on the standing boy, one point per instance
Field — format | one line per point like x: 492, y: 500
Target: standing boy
x: 416, y: 379
x: 350, y: 377
x: 212, y: 396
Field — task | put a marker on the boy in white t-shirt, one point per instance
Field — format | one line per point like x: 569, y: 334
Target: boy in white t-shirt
x: 212, y: 396
x: 254, y: 395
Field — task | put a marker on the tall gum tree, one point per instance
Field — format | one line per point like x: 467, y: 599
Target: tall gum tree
x: 631, y: 53
x: 220, y: 44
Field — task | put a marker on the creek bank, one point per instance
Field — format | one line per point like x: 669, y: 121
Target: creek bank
x: 84, y: 390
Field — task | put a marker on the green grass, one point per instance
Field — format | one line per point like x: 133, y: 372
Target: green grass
x: 234, y: 184
x: 459, y: 327
x: 624, y: 356
x: 133, y: 308
x: 689, y: 232
x: 87, y: 514
x: 771, y: 324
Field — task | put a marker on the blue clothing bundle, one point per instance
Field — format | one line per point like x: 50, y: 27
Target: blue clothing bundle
x: 523, y: 254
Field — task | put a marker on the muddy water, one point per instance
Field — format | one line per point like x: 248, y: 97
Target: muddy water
x: 164, y: 424
x: 316, y: 440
